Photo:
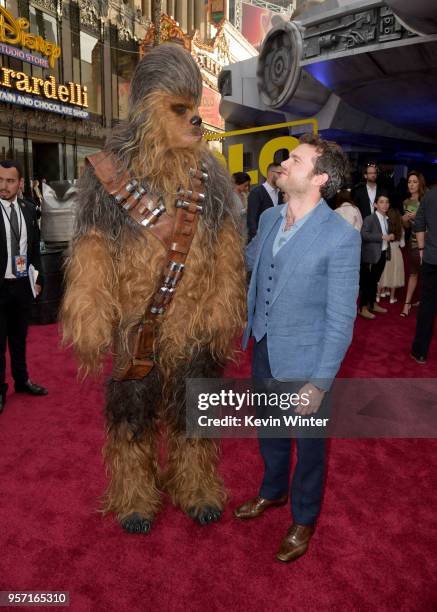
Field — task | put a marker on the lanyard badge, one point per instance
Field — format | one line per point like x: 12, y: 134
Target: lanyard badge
x: 19, y: 266
x: 19, y: 262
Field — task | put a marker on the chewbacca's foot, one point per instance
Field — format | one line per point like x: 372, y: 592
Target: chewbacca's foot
x: 135, y: 523
x: 205, y: 515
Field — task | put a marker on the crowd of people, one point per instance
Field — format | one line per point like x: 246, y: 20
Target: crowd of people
x: 399, y: 245
x: 307, y: 265
x: 304, y: 333
x: 391, y: 258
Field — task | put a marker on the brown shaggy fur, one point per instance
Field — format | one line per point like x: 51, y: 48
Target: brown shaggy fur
x: 113, y: 272
x: 92, y: 308
x: 191, y: 477
x: 166, y: 163
x: 133, y: 470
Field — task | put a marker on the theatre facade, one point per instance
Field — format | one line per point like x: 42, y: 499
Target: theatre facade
x: 65, y: 68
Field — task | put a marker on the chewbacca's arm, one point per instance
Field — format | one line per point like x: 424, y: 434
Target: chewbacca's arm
x: 90, y: 306
x: 230, y: 282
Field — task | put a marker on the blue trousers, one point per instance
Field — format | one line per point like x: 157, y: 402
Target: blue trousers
x: 309, y: 472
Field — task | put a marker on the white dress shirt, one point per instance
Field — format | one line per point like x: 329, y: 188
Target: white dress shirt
x: 283, y: 235
x: 272, y: 191
x: 371, y: 192
x: 384, y: 226
x: 6, y: 211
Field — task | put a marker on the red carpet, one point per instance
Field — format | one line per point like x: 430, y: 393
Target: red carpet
x: 374, y: 549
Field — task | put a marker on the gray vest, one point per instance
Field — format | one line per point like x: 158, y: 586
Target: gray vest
x: 269, y: 271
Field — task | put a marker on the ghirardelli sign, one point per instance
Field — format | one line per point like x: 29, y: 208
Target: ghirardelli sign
x: 17, y: 87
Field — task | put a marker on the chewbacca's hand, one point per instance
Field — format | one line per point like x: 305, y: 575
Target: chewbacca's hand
x: 90, y: 307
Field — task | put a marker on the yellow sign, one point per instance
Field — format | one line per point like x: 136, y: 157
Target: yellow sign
x: 72, y: 93
x: 267, y: 153
x: 13, y: 32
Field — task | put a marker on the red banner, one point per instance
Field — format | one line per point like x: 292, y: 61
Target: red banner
x: 256, y: 22
x: 209, y: 108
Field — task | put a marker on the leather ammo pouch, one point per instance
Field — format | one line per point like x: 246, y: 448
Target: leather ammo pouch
x: 136, y: 360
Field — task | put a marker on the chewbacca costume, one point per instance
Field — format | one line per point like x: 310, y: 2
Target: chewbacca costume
x: 117, y: 266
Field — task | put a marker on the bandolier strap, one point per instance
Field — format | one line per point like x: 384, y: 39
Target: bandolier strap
x: 176, y: 233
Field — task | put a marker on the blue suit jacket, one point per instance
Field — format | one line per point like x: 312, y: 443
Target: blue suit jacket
x: 313, y: 306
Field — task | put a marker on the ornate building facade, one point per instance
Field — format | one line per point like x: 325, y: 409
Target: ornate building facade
x: 66, y: 66
x: 95, y: 46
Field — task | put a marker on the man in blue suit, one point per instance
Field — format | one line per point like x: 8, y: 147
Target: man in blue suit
x: 305, y: 262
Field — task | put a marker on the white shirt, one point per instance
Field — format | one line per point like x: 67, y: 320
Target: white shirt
x: 384, y: 226
x: 6, y: 211
x: 283, y: 235
x: 272, y: 191
x: 371, y: 192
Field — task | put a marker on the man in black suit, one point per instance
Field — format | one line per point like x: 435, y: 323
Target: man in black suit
x: 262, y: 197
x: 365, y: 194
x: 19, y: 248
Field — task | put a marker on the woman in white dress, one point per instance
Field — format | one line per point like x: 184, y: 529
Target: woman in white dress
x: 345, y: 207
x: 393, y: 275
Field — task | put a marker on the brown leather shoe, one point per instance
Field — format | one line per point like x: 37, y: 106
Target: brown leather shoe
x: 255, y: 507
x: 295, y: 544
x: 366, y: 314
x: 379, y: 309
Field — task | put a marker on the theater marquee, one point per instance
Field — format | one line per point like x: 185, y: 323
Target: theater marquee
x: 20, y: 88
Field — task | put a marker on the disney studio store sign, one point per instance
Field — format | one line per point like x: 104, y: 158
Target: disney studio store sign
x: 41, y: 94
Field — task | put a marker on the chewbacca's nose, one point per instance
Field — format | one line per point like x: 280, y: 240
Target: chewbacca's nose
x: 196, y: 120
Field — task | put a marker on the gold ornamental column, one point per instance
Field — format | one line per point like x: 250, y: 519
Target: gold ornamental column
x: 156, y: 20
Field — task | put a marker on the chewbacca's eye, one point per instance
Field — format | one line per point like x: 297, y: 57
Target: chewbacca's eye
x: 179, y: 109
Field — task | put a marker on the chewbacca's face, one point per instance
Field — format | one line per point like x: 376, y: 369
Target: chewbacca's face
x: 169, y: 139
x: 180, y: 120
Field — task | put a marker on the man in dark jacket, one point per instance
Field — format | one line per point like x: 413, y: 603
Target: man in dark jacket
x: 365, y: 194
x: 375, y: 252
x: 261, y: 198
x: 426, y: 233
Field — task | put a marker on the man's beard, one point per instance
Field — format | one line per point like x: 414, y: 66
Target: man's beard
x: 301, y: 187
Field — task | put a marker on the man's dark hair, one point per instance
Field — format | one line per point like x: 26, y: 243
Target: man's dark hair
x: 370, y: 165
x: 344, y: 195
x: 272, y: 165
x: 330, y: 159
x: 240, y: 178
x: 11, y: 163
x: 383, y: 194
